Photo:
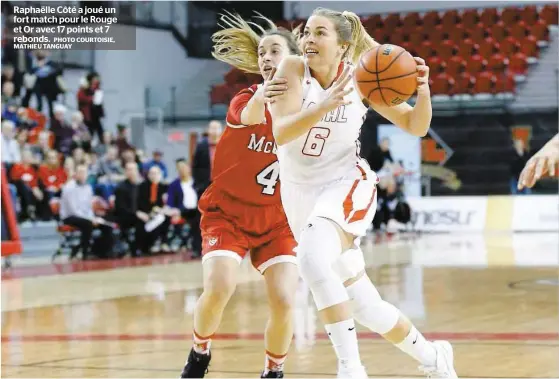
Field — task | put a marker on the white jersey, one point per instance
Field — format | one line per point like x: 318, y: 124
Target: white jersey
x: 331, y: 147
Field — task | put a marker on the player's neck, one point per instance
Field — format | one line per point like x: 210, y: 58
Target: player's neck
x: 326, y: 75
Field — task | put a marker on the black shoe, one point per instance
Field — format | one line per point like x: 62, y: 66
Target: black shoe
x: 197, y: 365
x: 272, y: 374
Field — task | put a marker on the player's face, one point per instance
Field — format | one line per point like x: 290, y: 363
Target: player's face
x: 271, y: 51
x: 320, y: 42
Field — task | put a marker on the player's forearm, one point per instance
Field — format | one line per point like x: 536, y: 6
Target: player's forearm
x: 291, y: 127
x: 421, y: 114
x: 254, y: 112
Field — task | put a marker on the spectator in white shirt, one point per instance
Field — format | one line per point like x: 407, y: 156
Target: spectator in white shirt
x: 76, y: 209
x: 182, y: 198
x: 10, y: 147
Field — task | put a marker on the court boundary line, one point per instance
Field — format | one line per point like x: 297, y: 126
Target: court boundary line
x: 456, y: 336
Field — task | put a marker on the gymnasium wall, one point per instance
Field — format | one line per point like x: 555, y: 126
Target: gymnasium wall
x: 158, y: 63
x: 303, y: 9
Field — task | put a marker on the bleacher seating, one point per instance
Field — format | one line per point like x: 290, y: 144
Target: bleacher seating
x: 493, y: 46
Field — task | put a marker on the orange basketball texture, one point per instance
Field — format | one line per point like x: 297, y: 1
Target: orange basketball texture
x: 386, y: 75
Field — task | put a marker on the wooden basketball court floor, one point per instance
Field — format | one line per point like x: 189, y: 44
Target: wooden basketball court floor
x: 496, y: 298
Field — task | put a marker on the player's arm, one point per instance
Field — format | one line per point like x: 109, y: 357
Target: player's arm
x: 237, y: 115
x: 545, y: 161
x: 254, y: 111
x: 415, y: 120
x: 289, y: 120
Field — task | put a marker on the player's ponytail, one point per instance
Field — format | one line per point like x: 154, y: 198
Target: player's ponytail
x: 350, y: 31
x: 361, y: 40
x: 237, y: 43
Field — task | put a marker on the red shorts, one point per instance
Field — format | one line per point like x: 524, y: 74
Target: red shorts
x: 231, y: 228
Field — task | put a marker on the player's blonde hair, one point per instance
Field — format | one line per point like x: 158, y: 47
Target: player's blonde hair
x: 237, y: 43
x: 350, y: 30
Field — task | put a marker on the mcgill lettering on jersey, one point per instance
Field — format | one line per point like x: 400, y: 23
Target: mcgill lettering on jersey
x: 245, y: 162
x: 330, y: 149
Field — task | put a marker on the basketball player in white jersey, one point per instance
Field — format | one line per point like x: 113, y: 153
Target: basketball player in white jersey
x: 544, y: 162
x: 329, y: 192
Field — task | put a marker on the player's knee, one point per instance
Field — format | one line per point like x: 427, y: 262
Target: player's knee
x: 219, y: 286
x: 282, y: 281
x: 219, y: 291
x: 319, y: 246
x: 282, y: 302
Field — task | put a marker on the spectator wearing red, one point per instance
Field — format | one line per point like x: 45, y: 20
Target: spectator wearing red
x: 24, y: 121
x: 85, y: 99
x: 90, y: 103
x: 51, y: 175
x: 26, y: 179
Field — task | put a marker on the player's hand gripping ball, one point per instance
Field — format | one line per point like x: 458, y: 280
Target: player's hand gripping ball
x: 388, y: 75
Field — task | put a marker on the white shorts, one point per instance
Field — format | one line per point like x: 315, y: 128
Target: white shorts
x: 350, y: 202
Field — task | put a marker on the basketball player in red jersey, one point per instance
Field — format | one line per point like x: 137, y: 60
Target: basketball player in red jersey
x: 241, y: 210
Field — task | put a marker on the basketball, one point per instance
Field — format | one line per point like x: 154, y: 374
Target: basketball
x: 386, y: 75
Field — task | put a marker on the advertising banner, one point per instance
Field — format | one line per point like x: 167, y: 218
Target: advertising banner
x: 448, y: 213
x: 536, y: 213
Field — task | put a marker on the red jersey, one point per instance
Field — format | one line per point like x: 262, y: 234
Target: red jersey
x: 26, y: 173
x: 52, y: 177
x: 245, y: 165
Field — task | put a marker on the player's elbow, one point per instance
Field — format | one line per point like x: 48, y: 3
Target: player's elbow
x: 291, y: 64
x: 417, y: 124
x: 420, y: 132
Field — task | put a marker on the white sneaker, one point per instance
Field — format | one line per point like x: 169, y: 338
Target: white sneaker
x: 357, y: 372
x: 445, y: 362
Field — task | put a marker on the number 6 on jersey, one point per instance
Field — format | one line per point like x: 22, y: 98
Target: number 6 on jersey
x: 268, y: 178
x: 315, y: 141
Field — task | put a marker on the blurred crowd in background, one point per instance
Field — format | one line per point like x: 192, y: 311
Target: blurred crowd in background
x: 68, y: 167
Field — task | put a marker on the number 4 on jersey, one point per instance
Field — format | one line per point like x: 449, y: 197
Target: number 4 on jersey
x: 268, y: 178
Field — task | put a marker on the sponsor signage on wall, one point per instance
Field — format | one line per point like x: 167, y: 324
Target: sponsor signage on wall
x: 448, y: 213
x: 536, y: 213
x: 533, y: 213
